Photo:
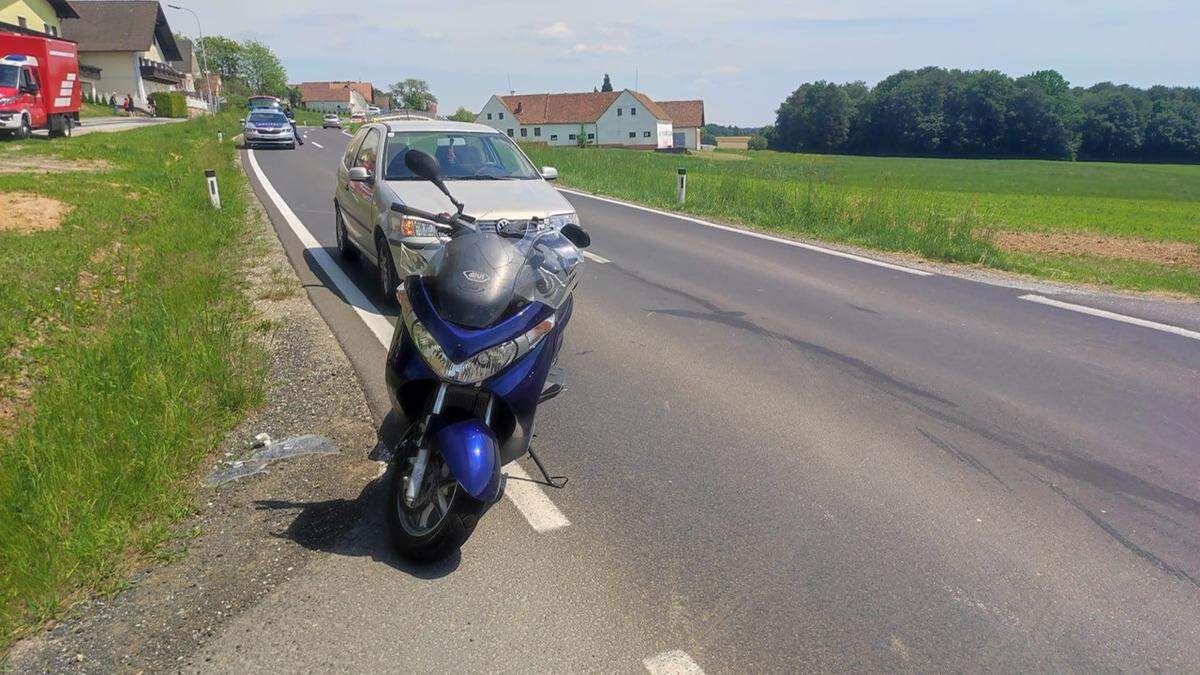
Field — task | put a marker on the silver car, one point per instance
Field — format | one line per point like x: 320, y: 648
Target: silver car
x: 484, y: 168
x: 331, y: 122
x: 264, y: 127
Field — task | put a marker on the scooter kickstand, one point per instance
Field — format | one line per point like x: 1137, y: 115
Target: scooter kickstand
x: 549, y: 480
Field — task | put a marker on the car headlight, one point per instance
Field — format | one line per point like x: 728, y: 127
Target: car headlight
x: 415, y: 227
x: 558, y: 220
x: 480, y: 366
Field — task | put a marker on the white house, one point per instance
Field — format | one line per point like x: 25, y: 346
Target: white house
x: 128, y: 44
x: 687, y: 118
x: 610, y: 118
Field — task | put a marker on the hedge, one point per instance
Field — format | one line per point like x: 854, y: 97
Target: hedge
x: 169, y: 104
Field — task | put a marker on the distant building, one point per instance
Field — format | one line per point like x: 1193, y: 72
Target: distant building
x: 608, y: 118
x: 337, y: 97
x: 125, y: 48
x: 687, y: 119
x: 733, y: 142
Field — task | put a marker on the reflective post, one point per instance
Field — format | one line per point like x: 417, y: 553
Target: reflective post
x: 214, y: 194
x: 681, y: 187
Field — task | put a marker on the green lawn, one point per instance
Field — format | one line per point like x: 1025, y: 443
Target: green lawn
x: 943, y: 209
x: 125, y: 355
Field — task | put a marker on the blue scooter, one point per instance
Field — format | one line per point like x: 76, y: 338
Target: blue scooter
x: 470, y: 360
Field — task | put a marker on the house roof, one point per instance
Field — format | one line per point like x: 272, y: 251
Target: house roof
x: 579, y: 108
x: 684, y: 114
x: 334, y: 91
x: 63, y: 9
x: 120, y: 26
x: 186, y: 61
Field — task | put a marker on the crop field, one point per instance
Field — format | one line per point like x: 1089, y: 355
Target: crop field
x: 1131, y: 226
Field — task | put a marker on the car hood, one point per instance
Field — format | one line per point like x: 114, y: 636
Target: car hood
x: 485, y: 199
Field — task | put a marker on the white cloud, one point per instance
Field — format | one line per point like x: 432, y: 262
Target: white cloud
x: 558, y: 29
x: 726, y: 70
x: 581, y: 48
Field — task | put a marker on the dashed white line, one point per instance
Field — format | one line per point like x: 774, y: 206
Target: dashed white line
x: 756, y: 235
x: 674, y: 662
x: 595, y: 258
x: 318, y: 145
x: 527, y: 496
x: 1144, y: 323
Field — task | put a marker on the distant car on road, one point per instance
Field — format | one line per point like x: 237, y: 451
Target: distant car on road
x: 358, y: 117
x: 373, y: 111
x: 331, y: 122
x: 487, y: 170
x: 268, y: 127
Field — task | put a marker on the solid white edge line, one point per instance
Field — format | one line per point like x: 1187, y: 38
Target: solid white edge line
x: 528, y: 497
x: 1104, y: 314
x: 674, y: 662
x: 595, y: 258
x: 756, y: 235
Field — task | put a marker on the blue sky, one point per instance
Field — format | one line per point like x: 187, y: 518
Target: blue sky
x: 741, y: 58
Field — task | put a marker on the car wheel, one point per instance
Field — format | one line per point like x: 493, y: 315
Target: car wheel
x: 344, y: 247
x: 388, y: 278
x: 292, y: 146
x: 24, y: 131
x: 68, y: 125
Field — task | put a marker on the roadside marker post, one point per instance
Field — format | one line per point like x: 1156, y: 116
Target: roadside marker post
x: 681, y: 190
x: 214, y: 194
x: 220, y: 136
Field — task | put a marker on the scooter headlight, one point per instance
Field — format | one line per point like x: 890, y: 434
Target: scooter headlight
x: 481, y: 366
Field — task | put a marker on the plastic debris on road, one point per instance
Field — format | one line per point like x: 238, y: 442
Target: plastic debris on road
x: 267, y: 454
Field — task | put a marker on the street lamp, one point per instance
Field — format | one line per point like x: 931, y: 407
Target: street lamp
x: 212, y: 103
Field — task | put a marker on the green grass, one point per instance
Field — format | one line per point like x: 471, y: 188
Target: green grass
x: 127, y: 330
x: 95, y: 110
x: 942, y: 209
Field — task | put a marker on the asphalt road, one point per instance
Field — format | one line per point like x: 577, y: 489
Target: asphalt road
x: 785, y: 460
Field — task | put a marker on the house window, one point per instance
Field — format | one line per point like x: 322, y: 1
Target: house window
x: 510, y: 133
x: 633, y: 134
x: 501, y: 115
x: 524, y: 132
x: 571, y: 137
x: 619, y: 112
x: 591, y: 137
x: 489, y: 116
x: 646, y: 134
x: 46, y: 28
x: 554, y: 137
x: 22, y: 22
x: 537, y: 131
x: 633, y: 111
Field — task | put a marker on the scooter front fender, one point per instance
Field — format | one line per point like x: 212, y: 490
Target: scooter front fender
x: 470, y: 450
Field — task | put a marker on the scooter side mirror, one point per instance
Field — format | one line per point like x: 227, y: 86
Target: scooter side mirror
x: 576, y: 235
x: 424, y: 165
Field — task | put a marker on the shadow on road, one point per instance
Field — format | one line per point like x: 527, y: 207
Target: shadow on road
x: 356, y: 527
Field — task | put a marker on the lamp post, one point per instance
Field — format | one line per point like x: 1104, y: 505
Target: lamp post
x: 212, y: 103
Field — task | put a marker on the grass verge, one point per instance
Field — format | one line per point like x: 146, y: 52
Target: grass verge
x: 125, y: 355
x: 946, y: 210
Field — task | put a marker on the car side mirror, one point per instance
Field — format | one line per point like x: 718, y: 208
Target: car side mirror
x: 549, y: 173
x: 32, y: 88
x: 359, y: 174
x: 576, y: 235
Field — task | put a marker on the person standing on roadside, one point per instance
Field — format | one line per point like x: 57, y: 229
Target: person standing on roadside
x: 128, y: 105
x: 292, y: 118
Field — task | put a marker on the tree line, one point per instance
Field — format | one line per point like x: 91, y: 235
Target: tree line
x: 985, y: 113
x: 247, y: 68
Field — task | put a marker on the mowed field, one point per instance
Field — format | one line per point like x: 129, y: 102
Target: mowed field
x: 1132, y: 226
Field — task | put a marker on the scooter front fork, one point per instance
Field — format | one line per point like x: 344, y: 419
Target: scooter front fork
x: 418, y: 471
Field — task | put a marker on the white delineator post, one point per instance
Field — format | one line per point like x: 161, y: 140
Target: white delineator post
x: 220, y: 136
x: 214, y: 194
x: 681, y: 187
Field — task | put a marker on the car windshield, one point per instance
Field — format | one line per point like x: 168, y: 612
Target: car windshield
x: 268, y: 118
x: 8, y: 76
x: 462, y: 155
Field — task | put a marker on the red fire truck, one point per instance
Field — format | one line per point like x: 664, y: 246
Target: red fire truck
x: 39, y: 84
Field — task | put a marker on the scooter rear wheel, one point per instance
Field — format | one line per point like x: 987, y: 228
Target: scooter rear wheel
x: 442, y: 519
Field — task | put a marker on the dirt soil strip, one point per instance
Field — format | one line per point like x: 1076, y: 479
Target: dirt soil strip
x: 249, y: 536
x: 1100, y: 246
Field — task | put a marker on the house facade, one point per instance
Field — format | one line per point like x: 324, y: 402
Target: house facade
x: 609, y: 118
x: 687, y: 118
x: 127, y: 46
x: 345, y: 98
x: 38, y: 17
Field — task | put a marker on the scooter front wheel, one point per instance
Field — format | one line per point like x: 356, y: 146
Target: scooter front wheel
x: 441, y: 519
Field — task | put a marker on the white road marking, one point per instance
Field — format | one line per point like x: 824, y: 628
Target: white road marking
x: 1166, y: 328
x: 317, y: 144
x: 756, y: 235
x: 347, y: 133
x: 528, y: 497
x: 674, y: 662
x: 532, y: 501
x: 595, y: 258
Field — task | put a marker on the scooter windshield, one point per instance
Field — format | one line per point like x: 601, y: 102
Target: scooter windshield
x: 479, y: 278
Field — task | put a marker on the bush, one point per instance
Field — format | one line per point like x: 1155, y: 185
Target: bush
x: 169, y: 104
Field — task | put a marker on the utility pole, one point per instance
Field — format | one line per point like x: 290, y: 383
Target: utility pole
x: 208, y: 93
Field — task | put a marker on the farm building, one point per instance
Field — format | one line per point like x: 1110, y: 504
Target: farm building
x: 336, y: 97
x: 733, y: 142
x: 687, y: 118
x: 609, y: 118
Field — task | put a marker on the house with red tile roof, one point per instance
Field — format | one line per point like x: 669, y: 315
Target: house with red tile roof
x: 687, y: 120
x: 624, y: 118
x: 336, y: 97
